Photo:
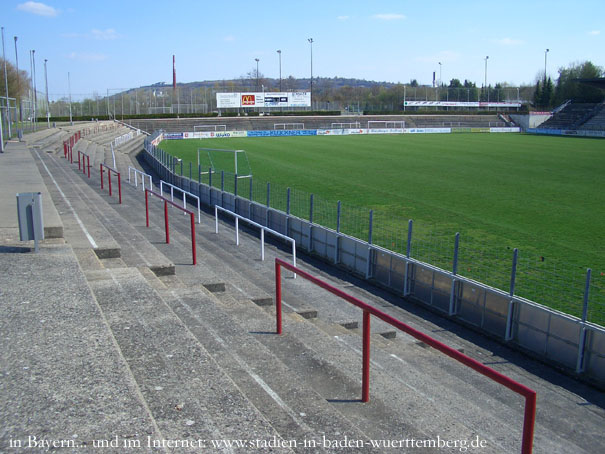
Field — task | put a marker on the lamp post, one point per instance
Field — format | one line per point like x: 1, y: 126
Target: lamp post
x: 47, y: 102
x: 18, y: 84
x: 545, y: 55
x: 279, y: 53
x: 69, y: 90
x: 440, y: 80
x: 485, y: 82
x: 257, y: 60
x: 8, y: 111
x: 311, y: 43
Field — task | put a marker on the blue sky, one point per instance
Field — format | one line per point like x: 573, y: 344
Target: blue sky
x: 112, y: 44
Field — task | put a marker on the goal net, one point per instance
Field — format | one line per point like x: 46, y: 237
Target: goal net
x: 218, y: 160
x: 386, y: 124
x: 288, y: 126
x: 209, y: 128
x: 354, y: 125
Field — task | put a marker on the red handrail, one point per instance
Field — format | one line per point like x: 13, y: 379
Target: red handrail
x: 109, y: 170
x: 527, y: 393
x: 166, y: 224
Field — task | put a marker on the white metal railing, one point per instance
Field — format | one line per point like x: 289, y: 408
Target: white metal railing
x: 123, y: 139
x: 143, y: 176
x: 185, y: 194
x: 262, y: 232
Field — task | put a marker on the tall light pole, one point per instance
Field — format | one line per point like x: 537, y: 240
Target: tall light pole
x: 279, y: 52
x: 35, y: 94
x: 485, y: 83
x: 311, y: 43
x: 440, y: 80
x: 69, y: 90
x: 545, y: 55
x: 8, y: 111
x: 18, y: 84
x: 257, y: 60
x: 47, y: 101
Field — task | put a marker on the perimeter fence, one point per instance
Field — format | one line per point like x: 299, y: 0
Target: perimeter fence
x: 543, y: 305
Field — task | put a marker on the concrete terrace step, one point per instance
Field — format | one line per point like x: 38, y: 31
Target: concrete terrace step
x: 298, y: 411
x: 63, y: 375
x: 135, y: 249
x: 82, y: 228
x: 184, y: 387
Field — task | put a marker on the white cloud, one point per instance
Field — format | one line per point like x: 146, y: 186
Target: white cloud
x: 389, y: 16
x: 594, y: 32
x: 343, y: 18
x: 509, y: 42
x: 229, y: 38
x: 105, y: 35
x: 37, y: 8
x: 86, y: 56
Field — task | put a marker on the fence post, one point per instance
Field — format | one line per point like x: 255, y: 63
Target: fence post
x: 190, y: 170
x: 250, y: 196
x: 311, y: 222
x: 119, y: 188
x: 199, y: 174
x: 235, y: 186
x: 337, y: 242
x: 511, y: 304
x: 582, y: 343
x: 223, y: 188
x: 268, y: 204
x: 210, y: 177
x: 452, y: 310
x: 370, y: 226
x: 288, y: 211
x: 406, y: 286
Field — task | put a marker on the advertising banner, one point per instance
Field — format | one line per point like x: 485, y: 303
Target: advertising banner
x: 282, y: 133
x: 460, y: 104
x: 265, y: 100
x: 428, y: 130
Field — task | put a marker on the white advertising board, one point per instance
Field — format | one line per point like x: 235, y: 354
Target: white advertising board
x: 459, y: 104
x: 267, y: 99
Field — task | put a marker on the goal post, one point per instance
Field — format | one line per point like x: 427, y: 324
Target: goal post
x: 352, y: 125
x: 219, y: 159
x: 209, y: 128
x: 384, y: 124
x: 289, y: 126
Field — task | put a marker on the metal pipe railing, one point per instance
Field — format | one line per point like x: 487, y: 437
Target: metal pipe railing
x: 185, y: 194
x: 527, y: 393
x: 262, y: 228
x: 109, y: 171
x: 166, y: 223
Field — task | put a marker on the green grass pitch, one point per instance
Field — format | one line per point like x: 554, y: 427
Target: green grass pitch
x: 542, y: 195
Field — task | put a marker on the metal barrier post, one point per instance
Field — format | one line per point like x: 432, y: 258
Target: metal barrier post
x: 146, y: 209
x: 119, y: 189
x: 109, y: 178
x: 101, y: 171
x: 262, y: 245
x: 278, y: 327
x: 365, y: 372
x: 166, y: 222
x: 193, y: 248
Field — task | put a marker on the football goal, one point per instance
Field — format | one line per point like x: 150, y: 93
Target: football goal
x: 230, y: 161
x: 386, y: 124
x: 354, y: 125
x: 209, y: 128
x: 277, y: 126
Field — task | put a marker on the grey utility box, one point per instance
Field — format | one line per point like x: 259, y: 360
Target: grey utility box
x: 29, y: 213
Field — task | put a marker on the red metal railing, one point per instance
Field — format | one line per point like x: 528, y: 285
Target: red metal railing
x: 527, y: 393
x: 85, y: 162
x: 109, y: 172
x: 166, y: 224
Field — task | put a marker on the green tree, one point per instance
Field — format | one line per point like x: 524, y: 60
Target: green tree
x: 17, y: 84
x: 568, y: 86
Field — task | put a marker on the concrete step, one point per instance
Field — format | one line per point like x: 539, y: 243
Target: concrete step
x: 298, y: 412
x: 63, y: 375
x: 185, y: 388
x: 82, y: 228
